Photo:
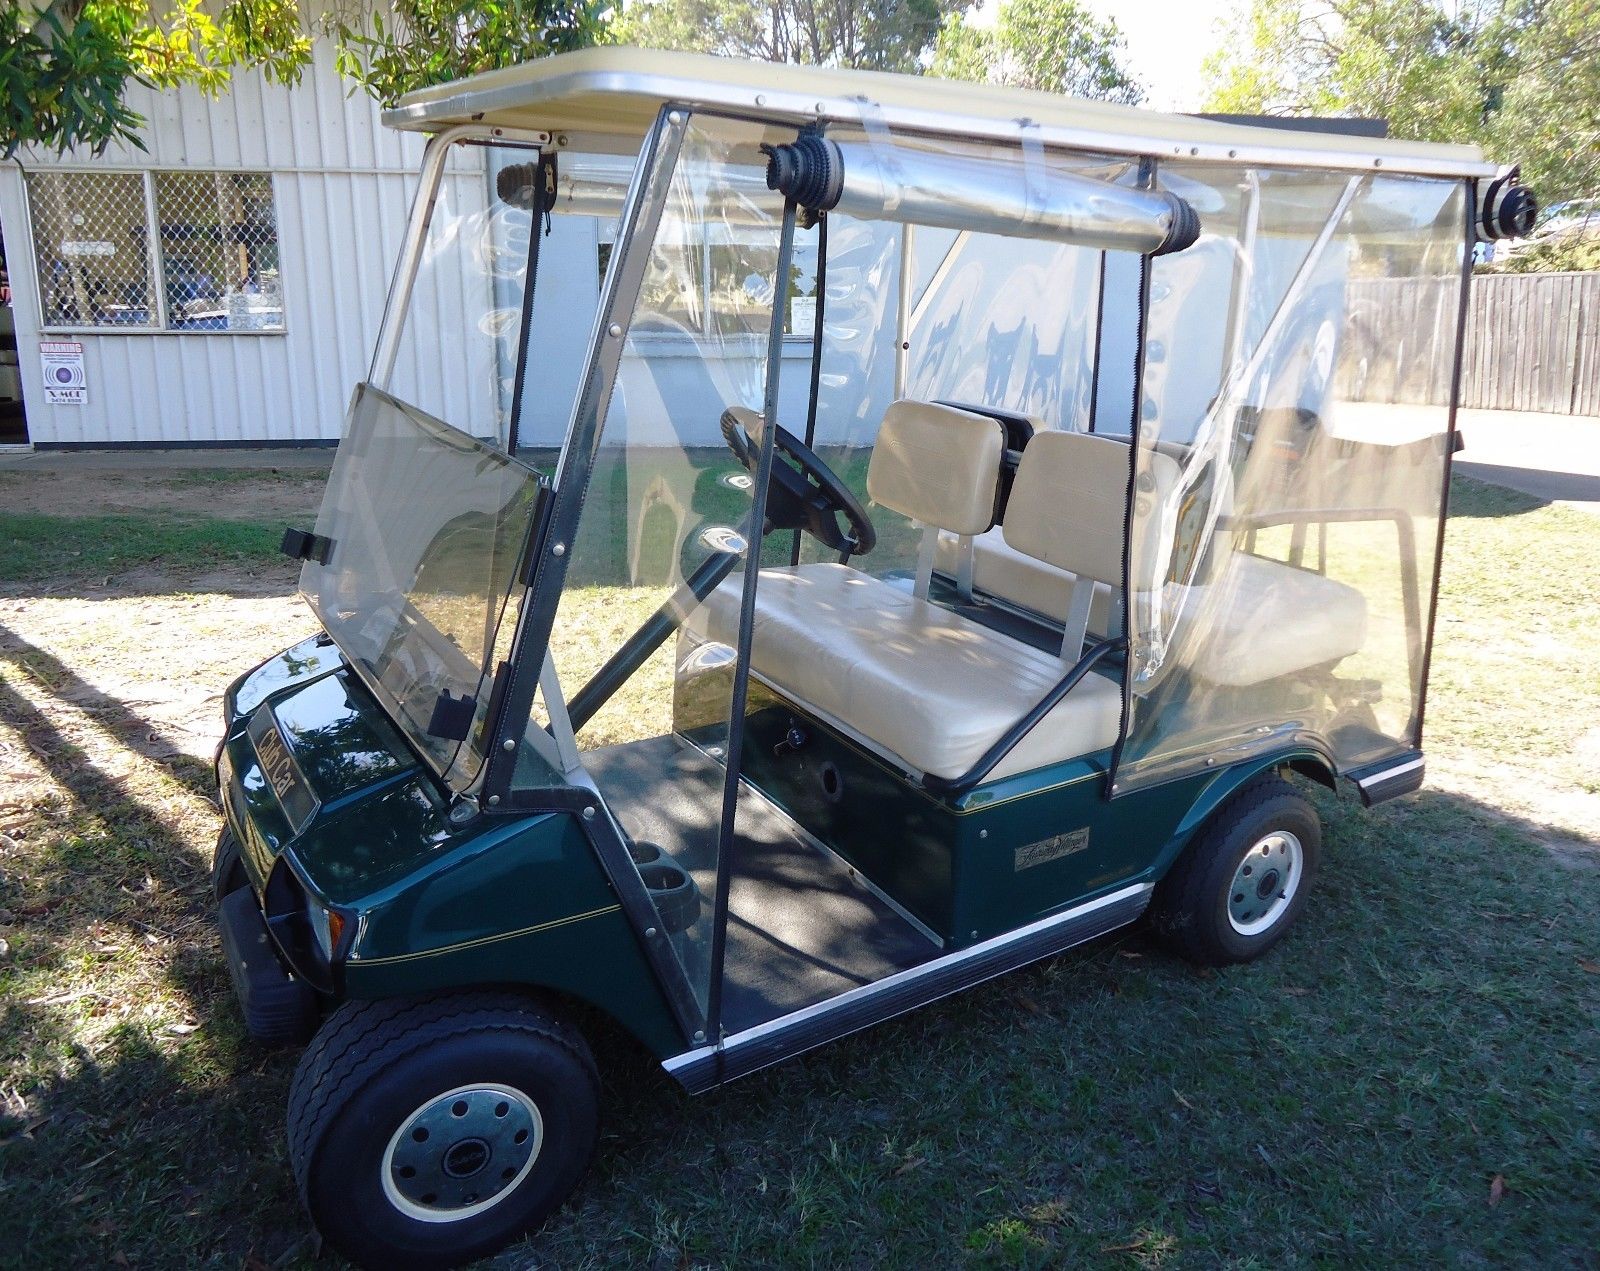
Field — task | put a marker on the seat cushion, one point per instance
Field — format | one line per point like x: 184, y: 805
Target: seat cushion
x: 998, y: 569
x: 1275, y: 619
x: 1069, y: 501
x: 933, y: 689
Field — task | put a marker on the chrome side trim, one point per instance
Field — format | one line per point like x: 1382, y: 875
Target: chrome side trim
x: 789, y: 1035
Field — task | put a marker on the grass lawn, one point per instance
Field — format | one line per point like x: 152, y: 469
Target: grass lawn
x: 1412, y: 1079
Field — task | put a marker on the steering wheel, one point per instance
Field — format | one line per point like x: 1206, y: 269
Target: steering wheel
x: 805, y: 496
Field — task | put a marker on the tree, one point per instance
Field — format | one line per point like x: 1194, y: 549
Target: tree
x: 1541, y: 94
x: 1520, y: 77
x: 1054, y: 45
x: 888, y: 35
x: 65, y: 65
x: 391, y: 47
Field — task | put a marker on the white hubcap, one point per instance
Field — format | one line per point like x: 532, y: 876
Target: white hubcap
x: 461, y: 1152
x: 1264, y: 885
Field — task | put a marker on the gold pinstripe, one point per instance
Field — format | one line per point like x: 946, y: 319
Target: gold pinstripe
x: 482, y: 940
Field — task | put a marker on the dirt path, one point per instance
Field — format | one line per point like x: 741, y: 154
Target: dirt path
x: 56, y: 488
x: 153, y: 650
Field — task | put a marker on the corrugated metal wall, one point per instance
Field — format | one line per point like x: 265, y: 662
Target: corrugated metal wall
x: 342, y: 185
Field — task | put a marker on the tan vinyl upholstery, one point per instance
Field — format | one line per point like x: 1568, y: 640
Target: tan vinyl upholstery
x: 998, y: 569
x: 750, y: 420
x: 1278, y: 620
x: 1273, y: 619
x: 1067, y: 505
x: 933, y: 689
x: 937, y: 465
x: 925, y: 686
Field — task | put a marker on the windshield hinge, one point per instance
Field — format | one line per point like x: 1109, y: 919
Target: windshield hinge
x: 538, y: 520
x: 304, y: 545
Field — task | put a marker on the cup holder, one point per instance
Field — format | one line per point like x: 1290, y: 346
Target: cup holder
x: 676, y: 897
x: 644, y: 852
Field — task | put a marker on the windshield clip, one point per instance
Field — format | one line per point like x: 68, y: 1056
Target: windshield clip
x: 452, y: 716
x: 304, y: 545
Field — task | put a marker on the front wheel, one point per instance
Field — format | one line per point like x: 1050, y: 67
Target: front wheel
x: 426, y: 1133
x: 1239, y: 886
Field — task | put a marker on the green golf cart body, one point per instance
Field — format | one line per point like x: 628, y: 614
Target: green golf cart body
x: 624, y: 701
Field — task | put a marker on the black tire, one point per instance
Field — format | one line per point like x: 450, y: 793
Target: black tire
x: 374, y: 1066
x: 227, y: 869
x: 1191, y: 910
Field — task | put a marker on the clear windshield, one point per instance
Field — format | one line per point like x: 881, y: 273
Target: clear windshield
x: 427, y: 516
x: 426, y: 527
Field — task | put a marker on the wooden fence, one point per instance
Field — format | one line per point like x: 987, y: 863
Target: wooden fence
x: 1533, y: 341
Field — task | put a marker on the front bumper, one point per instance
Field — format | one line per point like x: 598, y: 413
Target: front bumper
x: 279, y: 1008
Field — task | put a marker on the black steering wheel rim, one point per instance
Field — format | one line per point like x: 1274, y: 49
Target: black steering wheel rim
x: 809, y: 495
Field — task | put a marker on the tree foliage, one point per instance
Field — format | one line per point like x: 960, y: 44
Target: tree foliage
x: 1054, y: 45
x: 65, y: 65
x: 889, y: 35
x: 1520, y: 77
x: 390, y: 47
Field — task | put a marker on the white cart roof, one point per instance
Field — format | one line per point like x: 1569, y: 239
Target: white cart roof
x: 619, y: 91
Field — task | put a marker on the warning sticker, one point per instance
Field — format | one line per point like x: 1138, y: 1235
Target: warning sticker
x: 65, y: 383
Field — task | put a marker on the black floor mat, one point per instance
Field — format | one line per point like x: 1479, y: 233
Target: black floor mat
x: 800, y: 928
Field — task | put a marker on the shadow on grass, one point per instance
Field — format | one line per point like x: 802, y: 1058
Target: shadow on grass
x: 1539, y: 483
x: 1472, y: 497
x: 115, y: 979
x: 129, y: 729
x: 1350, y: 1098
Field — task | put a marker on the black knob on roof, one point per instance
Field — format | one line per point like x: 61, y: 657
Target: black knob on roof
x: 809, y: 169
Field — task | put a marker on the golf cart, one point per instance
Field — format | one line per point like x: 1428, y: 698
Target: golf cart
x: 809, y: 542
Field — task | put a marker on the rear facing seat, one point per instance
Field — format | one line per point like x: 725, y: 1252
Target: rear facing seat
x: 1279, y: 618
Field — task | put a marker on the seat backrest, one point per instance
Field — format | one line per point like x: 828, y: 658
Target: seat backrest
x: 938, y: 465
x: 1067, y: 505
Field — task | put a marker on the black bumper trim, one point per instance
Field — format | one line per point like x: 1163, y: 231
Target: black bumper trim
x: 1390, y: 778
x: 279, y: 1008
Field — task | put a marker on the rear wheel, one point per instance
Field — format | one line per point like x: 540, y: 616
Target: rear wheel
x: 426, y: 1133
x: 1239, y: 886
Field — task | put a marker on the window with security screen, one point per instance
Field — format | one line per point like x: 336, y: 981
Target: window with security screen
x: 156, y: 251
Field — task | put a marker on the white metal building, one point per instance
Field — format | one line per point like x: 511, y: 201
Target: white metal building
x: 225, y: 284
x: 224, y: 287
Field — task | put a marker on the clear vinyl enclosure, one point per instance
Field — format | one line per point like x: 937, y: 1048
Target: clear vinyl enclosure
x: 665, y: 521
x: 1207, y: 528
x: 1297, y: 481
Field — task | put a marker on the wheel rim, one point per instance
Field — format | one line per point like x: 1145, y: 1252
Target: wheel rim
x: 1265, y: 883
x: 462, y: 1152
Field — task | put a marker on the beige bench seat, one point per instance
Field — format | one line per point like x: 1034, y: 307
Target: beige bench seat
x: 1280, y: 619
x: 933, y: 689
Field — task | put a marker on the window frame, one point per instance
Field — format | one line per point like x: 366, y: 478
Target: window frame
x: 156, y: 250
